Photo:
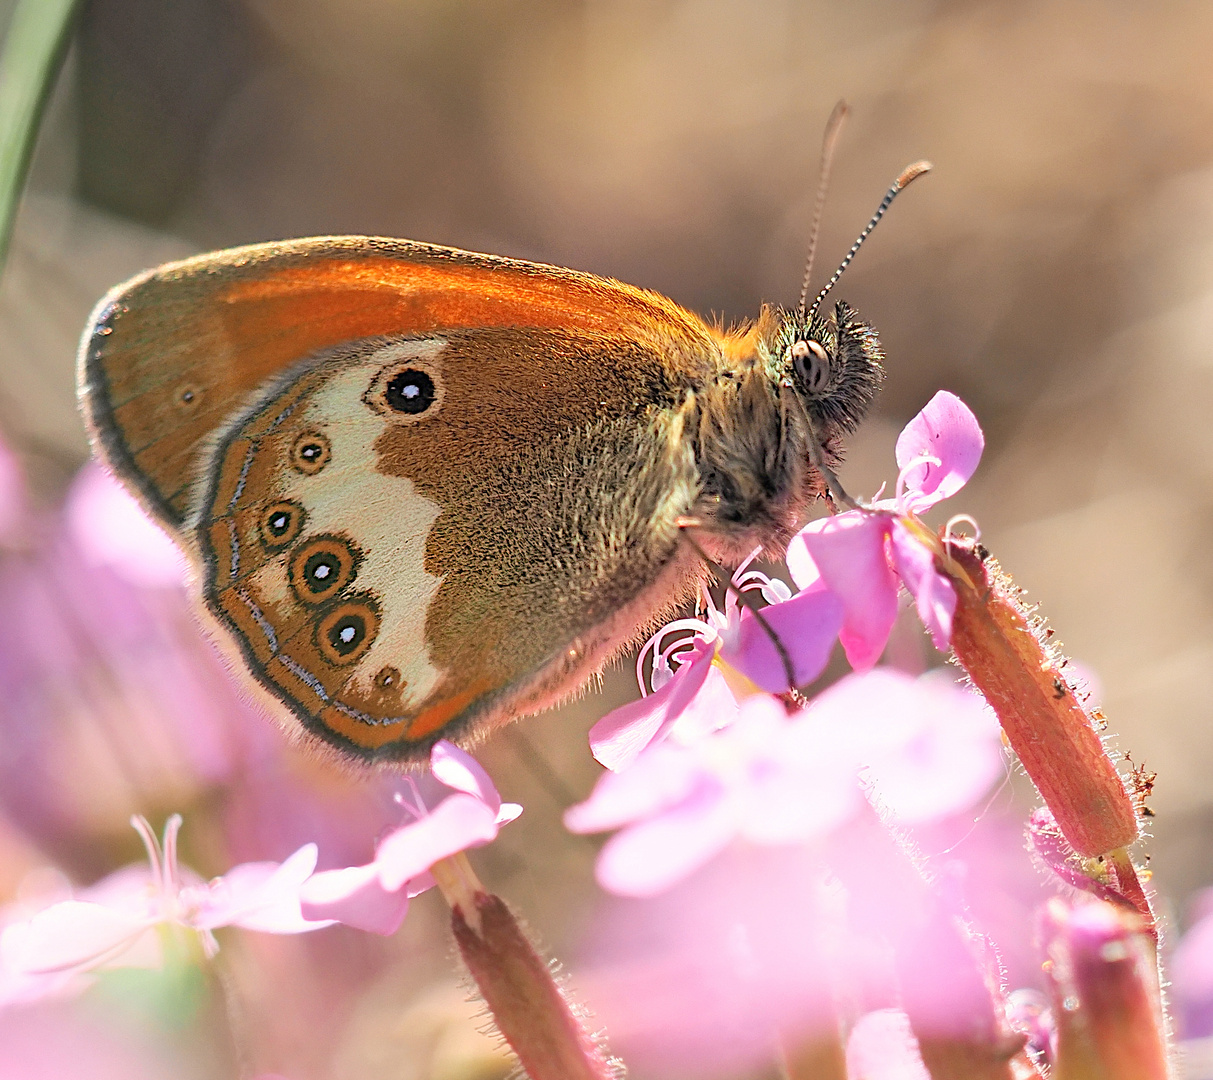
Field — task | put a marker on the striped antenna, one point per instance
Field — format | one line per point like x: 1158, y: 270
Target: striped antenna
x: 910, y: 174
x: 829, y: 143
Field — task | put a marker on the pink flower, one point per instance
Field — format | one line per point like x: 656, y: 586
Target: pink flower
x: 759, y: 779
x: 1192, y: 972
x: 881, y: 1046
x: 690, y: 691
x: 14, y: 504
x: 926, y: 747
x: 375, y: 897
x: 864, y: 555
x: 705, y: 979
x: 111, y: 923
x: 921, y: 749
x: 111, y: 529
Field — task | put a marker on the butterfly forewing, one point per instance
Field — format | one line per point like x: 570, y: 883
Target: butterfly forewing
x: 173, y: 353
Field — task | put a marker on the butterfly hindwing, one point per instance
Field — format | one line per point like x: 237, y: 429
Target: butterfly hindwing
x: 412, y: 535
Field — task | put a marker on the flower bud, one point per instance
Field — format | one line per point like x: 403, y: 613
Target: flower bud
x: 1048, y: 727
x: 1107, y: 1009
x: 530, y: 1011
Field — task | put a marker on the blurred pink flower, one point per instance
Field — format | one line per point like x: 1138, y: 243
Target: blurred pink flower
x: 1192, y: 972
x: 109, y: 686
x: 375, y: 897
x: 112, y: 529
x: 926, y: 747
x: 14, y: 506
x: 704, y: 981
x: 689, y: 691
x: 881, y: 1046
x: 761, y: 779
x: 922, y: 748
x: 109, y: 924
x: 864, y: 555
x: 58, y: 1041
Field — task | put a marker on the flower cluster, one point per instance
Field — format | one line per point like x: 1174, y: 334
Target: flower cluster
x: 769, y: 873
x: 114, y: 922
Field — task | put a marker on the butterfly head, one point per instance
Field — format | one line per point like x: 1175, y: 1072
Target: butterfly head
x: 834, y: 365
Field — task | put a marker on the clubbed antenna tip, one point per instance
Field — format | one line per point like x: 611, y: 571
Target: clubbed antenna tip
x: 908, y: 176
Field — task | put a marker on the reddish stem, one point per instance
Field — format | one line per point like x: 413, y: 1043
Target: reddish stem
x: 1106, y: 999
x: 527, y: 1005
x: 1046, y: 724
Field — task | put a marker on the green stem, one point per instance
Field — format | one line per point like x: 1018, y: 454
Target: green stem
x: 32, y: 55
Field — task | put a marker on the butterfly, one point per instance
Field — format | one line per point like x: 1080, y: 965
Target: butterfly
x: 427, y: 491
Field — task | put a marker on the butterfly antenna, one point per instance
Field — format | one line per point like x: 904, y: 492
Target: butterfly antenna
x: 910, y: 174
x: 829, y: 143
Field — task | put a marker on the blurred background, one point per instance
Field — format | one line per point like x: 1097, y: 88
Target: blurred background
x: 1055, y: 270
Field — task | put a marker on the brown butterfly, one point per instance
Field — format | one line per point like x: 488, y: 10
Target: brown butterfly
x: 428, y: 491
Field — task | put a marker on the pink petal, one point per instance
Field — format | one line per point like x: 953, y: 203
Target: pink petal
x: 934, y: 595
x: 807, y: 626
x: 111, y: 528
x: 461, y: 771
x: 882, y: 1047
x: 713, y: 708
x: 795, y: 806
x: 257, y: 896
x: 507, y: 812
x: 849, y: 550
x: 928, y: 748
x: 356, y: 897
x: 853, y: 721
x: 415, y: 886
x: 945, y: 429
x: 13, y: 501
x: 455, y: 824
x: 801, y: 566
x: 72, y: 934
x: 786, y: 788
x: 660, y: 778
x: 948, y: 755
x: 619, y: 737
x: 649, y: 858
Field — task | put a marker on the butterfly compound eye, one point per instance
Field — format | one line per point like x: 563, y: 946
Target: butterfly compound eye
x: 812, y: 365
x: 410, y: 391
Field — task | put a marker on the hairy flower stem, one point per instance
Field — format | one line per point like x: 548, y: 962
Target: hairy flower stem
x: 821, y: 1059
x: 527, y: 1005
x: 1129, y: 886
x: 948, y: 989
x: 1049, y: 728
x: 1106, y: 999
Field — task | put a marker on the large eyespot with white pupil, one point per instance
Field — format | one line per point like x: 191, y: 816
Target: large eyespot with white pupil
x: 321, y: 567
x: 812, y: 364
x: 280, y: 523
x: 407, y: 391
x: 347, y: 629
x: 410, y: 391
x: 310, y: 452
